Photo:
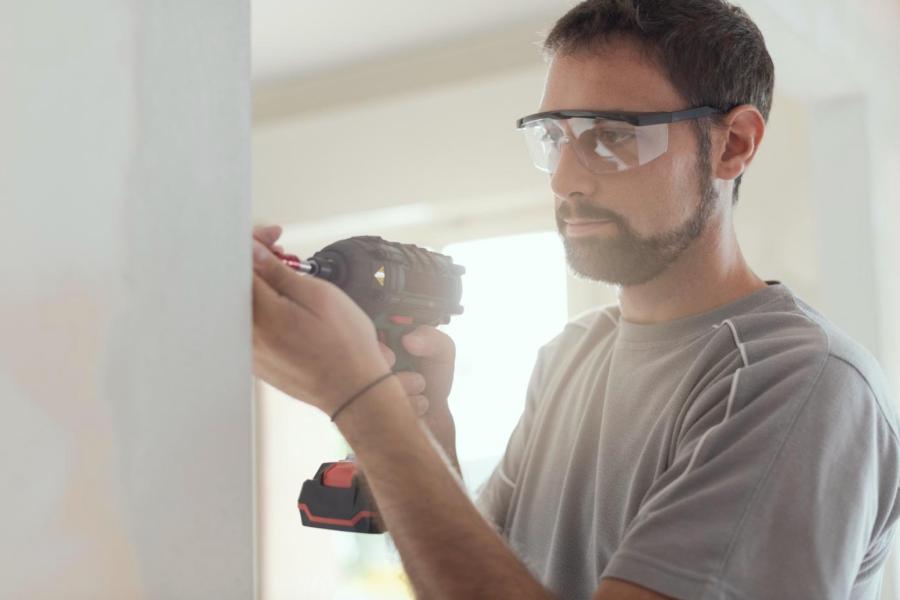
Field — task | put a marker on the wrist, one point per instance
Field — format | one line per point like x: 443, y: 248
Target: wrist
x: 346, y: 403
x: 381, y: 407
x: 441, y: 423
x: 346, y: 380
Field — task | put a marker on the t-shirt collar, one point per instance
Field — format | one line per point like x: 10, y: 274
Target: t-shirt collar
x: 696, y: 324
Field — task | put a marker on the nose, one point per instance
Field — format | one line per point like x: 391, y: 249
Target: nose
x: 571, y: 177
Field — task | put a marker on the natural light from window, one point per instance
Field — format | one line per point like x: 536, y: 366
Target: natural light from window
x: 514, y: 296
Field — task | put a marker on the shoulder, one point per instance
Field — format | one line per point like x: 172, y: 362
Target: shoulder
x: 789, y: 341
x: 845, y: 350
x: 578, y: 337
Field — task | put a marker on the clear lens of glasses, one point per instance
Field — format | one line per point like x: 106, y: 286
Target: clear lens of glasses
x: 601, y: 145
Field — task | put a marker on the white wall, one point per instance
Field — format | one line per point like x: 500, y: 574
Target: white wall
x: 126, y: 450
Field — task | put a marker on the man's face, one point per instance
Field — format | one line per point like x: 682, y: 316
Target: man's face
x: 655, y: 211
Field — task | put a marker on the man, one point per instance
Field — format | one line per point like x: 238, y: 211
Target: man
x: 710, y: 436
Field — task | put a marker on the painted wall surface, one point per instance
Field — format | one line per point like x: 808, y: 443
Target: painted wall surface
x: 126, y: 451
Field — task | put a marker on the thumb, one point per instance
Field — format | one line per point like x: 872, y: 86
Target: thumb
x: 428, y: 342
x: 437, y: 352
x: 267, y: 234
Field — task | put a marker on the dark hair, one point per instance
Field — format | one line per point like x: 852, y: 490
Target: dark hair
x: 711, y: 51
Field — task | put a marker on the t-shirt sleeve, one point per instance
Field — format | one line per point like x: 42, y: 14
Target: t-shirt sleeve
x: 783, y: 484
x: 493, y: 496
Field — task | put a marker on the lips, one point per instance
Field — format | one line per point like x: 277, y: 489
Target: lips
x: 586, y: 228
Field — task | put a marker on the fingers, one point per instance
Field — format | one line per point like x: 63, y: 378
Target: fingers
x: 419, y: 404
x: 267, y: 234
x: 263, y: 302
x: 414, y: 385
x: 426, y: 341
x: 265, y: 307
x: 306, y: 291
x: 436, y: 356
x: 412, y: 382
x: 268, y: 306
x: 388, y: 354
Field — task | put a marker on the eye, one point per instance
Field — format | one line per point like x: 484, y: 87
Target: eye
x: 613, y: 137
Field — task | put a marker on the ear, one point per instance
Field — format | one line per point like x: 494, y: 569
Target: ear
x: 742, y: 131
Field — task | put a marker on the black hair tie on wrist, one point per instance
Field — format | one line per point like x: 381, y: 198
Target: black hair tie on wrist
x: 358, y: 394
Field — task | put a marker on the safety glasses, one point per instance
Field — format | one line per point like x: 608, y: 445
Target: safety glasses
x: 604, y: 142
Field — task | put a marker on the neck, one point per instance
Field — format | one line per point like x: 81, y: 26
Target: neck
x: 710, y: 273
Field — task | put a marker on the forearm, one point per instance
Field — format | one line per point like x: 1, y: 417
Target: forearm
x: 447, y: 548
x: 440, y: 424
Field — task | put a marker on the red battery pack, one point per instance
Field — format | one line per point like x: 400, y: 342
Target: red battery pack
x: 337, y: 497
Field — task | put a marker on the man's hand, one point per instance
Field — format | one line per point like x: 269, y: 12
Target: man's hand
x: 428, y: 391
x: 310, y: 339
x: 313, y: 342
x: 267, y: 235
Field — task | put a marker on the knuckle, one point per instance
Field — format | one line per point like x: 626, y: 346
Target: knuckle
x: 451, y: 346
x: 447, y: 348
x: 419, y: 403
x: 388, y: 354
x: 283, y: 277
x: 444, y: 340
x: 413, y: 383
x: 406, y: 383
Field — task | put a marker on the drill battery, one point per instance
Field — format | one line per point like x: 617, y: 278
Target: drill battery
x: 337, y: 497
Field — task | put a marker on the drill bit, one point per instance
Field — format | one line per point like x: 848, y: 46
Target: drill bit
x: 297, y: 263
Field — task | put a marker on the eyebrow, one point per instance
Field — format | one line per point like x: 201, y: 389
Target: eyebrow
x: 610, y: 110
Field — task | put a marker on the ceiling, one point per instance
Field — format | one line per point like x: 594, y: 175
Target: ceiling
x: 295, y: 39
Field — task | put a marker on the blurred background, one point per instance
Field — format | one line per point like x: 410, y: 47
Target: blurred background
x: 396, y: 119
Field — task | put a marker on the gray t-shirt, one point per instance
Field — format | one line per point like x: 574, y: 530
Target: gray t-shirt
x: 748, y: 452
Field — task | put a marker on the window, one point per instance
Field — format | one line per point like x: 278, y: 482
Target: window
x: 514, y: 296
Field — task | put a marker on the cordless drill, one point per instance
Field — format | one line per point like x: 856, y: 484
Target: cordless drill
x: 400, y: 286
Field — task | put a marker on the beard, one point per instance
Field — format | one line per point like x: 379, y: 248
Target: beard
x: 627, y: 258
